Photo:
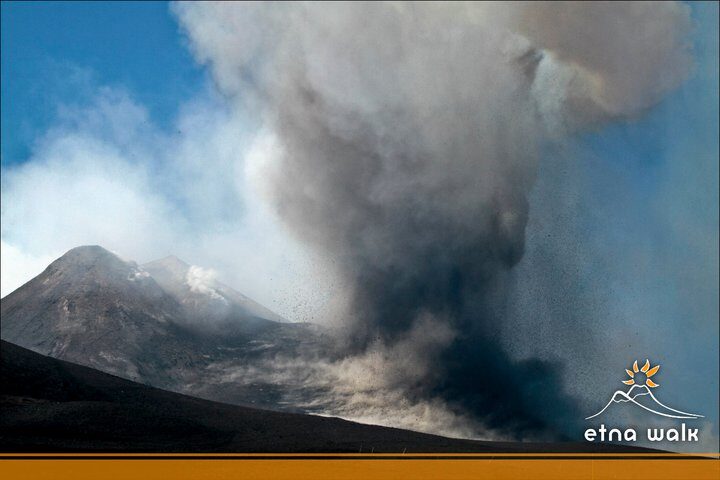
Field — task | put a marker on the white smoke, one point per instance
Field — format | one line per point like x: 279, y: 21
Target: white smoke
x: 203, y: 280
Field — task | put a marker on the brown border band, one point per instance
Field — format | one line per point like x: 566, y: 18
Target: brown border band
x: 61, y: 467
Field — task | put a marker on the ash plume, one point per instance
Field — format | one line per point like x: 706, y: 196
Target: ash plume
x: 409, y: 138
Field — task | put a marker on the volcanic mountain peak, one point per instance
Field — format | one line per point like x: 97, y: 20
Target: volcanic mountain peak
x: 88, y: 257
x: 89, y: 270
x: 202, y: 294
x: 88, y: 253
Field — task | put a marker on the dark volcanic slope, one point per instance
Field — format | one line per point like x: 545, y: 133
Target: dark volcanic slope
x: 51, y: 405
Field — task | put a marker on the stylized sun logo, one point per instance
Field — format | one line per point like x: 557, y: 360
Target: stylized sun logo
x: 642, y: 376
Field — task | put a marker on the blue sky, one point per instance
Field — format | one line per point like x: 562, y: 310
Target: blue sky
x: 123, y: 74
x: 647, y: 215
x: 52, y: 52
x: 55, y: 52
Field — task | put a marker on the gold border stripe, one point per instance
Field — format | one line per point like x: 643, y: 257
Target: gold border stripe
x: 270, y: 456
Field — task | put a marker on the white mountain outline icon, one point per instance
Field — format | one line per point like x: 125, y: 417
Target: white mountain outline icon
x: 642, y: 390
x: 629, y: 396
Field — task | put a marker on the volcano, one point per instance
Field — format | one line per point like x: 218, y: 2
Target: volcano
x: 166, y: 324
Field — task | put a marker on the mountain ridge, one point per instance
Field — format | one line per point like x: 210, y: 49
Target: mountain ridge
x: 203, y: 295
x: 96, y: 309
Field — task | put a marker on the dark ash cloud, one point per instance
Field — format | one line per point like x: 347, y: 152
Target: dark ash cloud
x: 410, y: 138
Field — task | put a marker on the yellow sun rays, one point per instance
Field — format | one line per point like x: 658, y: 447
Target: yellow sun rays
x: 649, y: 372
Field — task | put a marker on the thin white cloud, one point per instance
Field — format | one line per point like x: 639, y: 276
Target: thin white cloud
x: 104, y: 174
x: 17, y: 267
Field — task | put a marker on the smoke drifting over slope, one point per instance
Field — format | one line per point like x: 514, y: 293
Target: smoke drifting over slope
x: 409, y: 138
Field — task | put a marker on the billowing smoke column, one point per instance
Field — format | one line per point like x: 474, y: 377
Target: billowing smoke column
x: 410, y: 137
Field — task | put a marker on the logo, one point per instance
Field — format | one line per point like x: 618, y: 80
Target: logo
x: 640, y: 394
